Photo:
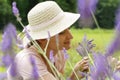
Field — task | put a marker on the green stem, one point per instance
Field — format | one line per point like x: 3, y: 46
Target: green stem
x: 48, y: 40
x: 53, y: 68
x: 21, y: 23
x: 89, y: 56
x: 96, y: 22
x: 73, y: 69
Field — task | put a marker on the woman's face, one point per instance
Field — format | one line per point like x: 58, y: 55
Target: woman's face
x: 63, y: 39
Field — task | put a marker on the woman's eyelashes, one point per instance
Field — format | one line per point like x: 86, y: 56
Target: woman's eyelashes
x: 65, y: 31
x: 62, y: 33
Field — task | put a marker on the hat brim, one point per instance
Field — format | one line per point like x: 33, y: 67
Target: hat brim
x: 54, y: 28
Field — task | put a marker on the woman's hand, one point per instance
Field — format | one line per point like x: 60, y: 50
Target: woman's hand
x: 114, y: 63
x: 81, y: 67
x: 118, y: 65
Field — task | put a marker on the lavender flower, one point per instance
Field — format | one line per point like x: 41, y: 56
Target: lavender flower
x: 34, y: 70
x: 51, y: 57
x: 117, y: 22
x: 85, y: 7
x: 26, y: 31
x: 114, y: 46
x: 9, y: 38
x: 66, y: 56
x: 117, y: 28
x: 8, y: 42
x: 15, y: 11
x: 85, y: 47
x: 49, y: 35
x: 19, y: 43
x: 116, y: 75
x: 68, y: 78
x: 117, y: 18
x: 102, y: 68
x: 7, y: 60
x: 13, y: 69
x: 3, y: 76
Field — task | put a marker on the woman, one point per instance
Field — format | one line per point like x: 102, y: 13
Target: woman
x: 48, y: 23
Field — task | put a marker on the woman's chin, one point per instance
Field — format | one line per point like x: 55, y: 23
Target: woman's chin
x: 67, y: 48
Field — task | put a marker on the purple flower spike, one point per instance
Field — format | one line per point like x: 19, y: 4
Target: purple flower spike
x: 6, y: 43
x: 116, y: 75
x: 15, y: 9
x: 49, y: 35
x: 9, y: 38
x: 66, y: 56
x: 7, y: 60
x: 35, y: 73
x: 68, y: 78
x: 98, y: 72
x: 117, y: 28
x: 115, y: 44
x: 51, y: 57
x: 13, y: 69
x: 85, y: 47
x: 98, y: 58
x: 19, y: 43
x: 3, y: 76
x: 113, y: 47
x: 34, y: 70
x: 117, y: 21
x: 85, y: 7
x: 26, y: 31
x: 117, y: 18
x: 32, y: 60
x: 14, y: 3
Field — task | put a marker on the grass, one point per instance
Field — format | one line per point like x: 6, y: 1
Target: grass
x: 101, y: 38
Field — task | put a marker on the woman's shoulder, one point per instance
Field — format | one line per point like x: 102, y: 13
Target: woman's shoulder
x: 25, y: 54
x: 24, y: 63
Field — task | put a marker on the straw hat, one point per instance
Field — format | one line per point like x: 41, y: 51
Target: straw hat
x: 48, y: 17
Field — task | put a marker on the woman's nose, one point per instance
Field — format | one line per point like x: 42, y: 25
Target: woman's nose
x: 69, y: 35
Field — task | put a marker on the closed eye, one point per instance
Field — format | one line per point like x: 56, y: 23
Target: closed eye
x: 62, y: 32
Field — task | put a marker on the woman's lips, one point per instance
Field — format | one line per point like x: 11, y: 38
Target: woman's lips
x: 68, y: 42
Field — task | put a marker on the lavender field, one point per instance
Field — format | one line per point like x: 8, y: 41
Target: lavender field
x: 101, y: 38
x: 99, y: 45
